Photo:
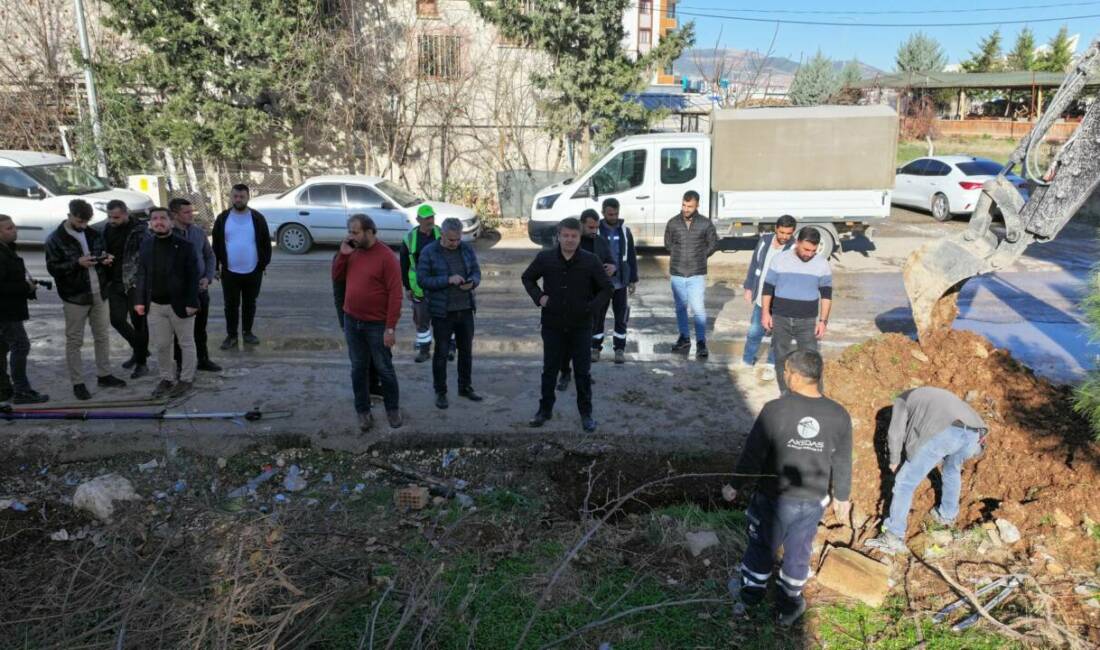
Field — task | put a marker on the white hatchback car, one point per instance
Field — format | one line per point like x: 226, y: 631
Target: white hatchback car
x: 947, y: 185
x: 35, y: 190
x: 317, y: 211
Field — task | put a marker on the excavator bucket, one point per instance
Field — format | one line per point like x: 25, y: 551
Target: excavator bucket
x: 933, y: 276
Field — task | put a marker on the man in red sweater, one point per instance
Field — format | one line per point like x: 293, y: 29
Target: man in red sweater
x: 372, y: 305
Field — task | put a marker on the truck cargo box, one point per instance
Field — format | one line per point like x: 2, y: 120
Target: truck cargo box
x: 804, y: 148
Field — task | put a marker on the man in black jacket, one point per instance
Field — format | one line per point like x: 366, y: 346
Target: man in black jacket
x: 574, y: 287
x: 79, y: 265
x: 122, y: 235
x: 620, y: 240
x: 16, y: 288
x: 690, y: 239
x: 168, y: 294
x: 242, y: 248
x: 593, y: 243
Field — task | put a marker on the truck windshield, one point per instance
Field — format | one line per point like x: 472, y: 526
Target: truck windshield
x: 400, y: 195
x: 65, y: 178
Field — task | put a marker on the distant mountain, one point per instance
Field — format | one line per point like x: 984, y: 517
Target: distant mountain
x: 741, y: 64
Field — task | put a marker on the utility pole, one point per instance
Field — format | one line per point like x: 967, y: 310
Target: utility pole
x: 89, y: 85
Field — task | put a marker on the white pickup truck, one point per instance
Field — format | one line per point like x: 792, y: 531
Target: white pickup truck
x: 828, y: 166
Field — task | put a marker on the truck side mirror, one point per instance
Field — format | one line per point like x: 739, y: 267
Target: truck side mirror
x: 386, y: 205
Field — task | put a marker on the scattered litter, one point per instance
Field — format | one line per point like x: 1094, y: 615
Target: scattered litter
x: 414, y: 497
x: 1010, y: 534
x: 699, y: 541
x: 222, y: 463
x: 180, y: 486
x: 250, y: 487
x: 359, y: 487
x: 281, y: 498
x: 149, y: 466
x: 661, y: 371
x: 18, y: 506
x: 464, y: 500
x: 327, y: 478
x: 160, y: 495
x: 280, y: 462
x: 449, y: 457
x: 98, y: 495
x: 294, y: 481
x: 1087, y: 589
x: 65, y: 536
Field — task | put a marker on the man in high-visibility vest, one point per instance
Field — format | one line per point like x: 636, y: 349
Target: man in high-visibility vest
x: 423, y: 234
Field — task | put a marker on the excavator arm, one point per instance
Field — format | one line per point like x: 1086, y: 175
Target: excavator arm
x: 935, y: 273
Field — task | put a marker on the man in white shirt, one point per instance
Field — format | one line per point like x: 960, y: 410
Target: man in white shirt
x: 769, y: 246
x: 242, y: 248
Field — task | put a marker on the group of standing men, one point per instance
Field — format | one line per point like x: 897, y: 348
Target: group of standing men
x: 149, y: 279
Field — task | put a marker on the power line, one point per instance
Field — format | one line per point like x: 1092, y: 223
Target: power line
x: 837, y: 12
x: 823, y: 23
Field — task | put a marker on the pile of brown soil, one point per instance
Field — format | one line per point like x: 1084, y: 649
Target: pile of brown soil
x: 1040, y: 469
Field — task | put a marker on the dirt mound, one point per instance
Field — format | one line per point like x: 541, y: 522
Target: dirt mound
x: 1041, y: 467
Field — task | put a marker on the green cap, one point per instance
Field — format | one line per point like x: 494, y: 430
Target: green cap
x: 425, y: 212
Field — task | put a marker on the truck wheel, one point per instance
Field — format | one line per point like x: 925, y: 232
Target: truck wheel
x: 825, y: 248
x: 941, y: 208
x: 295, y: 239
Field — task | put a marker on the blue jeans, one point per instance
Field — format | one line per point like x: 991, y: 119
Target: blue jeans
x: 367, y: 352
x: 775, y: 523
x: 690, y: 292
x: 953, y: 446
x: 755, y: 336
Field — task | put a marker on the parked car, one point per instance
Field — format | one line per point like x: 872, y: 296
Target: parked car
x: 35, y: 190
x: 947, y: 185
x: 316, y: 212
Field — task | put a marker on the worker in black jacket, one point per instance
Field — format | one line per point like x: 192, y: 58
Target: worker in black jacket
x: 593, y: 243
x: 16, y: 288
x: 574, y: 287
x: 242, y: 250
x: 122, y: 236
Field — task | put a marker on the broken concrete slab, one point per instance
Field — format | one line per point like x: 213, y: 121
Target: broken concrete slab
x: 1010, y: 534
x: 701, y: 540
x: 855, y: 575
x: 98, y: 495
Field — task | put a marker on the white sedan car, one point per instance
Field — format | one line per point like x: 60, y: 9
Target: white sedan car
x: 947, y: 185
x: 317, y: 211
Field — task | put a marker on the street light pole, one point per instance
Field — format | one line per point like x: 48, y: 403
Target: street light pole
x: 89, y: 85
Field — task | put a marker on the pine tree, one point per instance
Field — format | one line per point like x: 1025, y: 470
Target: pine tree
x: 988, y: 58
x: 591, y: 78
x: 814, y: 82
x: 1022, y: 56
x: 1059, y: 55
x: 851, y: 74
x: 1088, y: 393
x: 920, y: 53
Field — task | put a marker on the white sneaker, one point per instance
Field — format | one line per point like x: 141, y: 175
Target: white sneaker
x: 741, y: 365
x: 767, y: 373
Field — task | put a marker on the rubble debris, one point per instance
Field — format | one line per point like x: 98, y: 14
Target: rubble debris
x: 1009, y: 533
x: 250, y: 487
x: 98, y: 495
x: 293, y: 482
x: 413, y: 497
x: 699, y: 541
x: 855, y: 575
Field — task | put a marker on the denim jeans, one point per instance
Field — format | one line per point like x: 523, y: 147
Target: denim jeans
x: 775, y: 523
x: 755, y: 336
x: 691, y: 292
x: 953, y: 446
x: 368, y: 352
x: 790, y: 334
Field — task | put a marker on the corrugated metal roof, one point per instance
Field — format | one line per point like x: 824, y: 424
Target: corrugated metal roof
x: 997, y: 80
x: 805, y: 112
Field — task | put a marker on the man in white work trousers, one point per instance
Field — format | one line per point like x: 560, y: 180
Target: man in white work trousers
x: 932, y: 426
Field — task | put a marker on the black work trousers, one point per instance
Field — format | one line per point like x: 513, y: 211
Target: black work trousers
x: 573, y: 342
x: 460, y: 324
x: 240, y: 291
x: 620, y: 306
x: 202, y: 352
x: 127, y: 322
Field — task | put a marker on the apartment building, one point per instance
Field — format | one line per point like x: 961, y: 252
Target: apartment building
x: 645, y: 24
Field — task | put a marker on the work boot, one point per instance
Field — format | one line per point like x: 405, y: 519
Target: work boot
x: 441, y: 401
x: 30, y: 397
x: 539, y: 419
x: 734, y: 587
x: 251, y: 339
x: 888, y: 543
x: 180, y: 389
x: 787, y: 618
x: 423, y: 353
x: 596, y: 355
x: 129, y: 363
x: 140, y: 370
x: 80, y: 391
x: 395, y: 419
x: 683, y: 344
x: 701, y: 350
x: 470, y: 394
x: 366, y: 422
x: 620, y: 357
x: 206, y: 365
x: 110, y: 381
x: 230, y: 343
x: 563, y: 382
x: 162, y: 389
x: 588, y: 423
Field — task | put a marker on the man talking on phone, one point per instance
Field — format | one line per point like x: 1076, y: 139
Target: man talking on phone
x: 448, y: 272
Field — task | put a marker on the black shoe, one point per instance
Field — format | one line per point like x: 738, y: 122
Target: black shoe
x: 701, y: 351
x: 441, y: 401
x: 539, y: 419
x: 162, y: 389
x: 423, y: 354
x: 683, y: 344
x: 110, y: 381
x: 451, y: 353
x: 366, y: 422
x: 396, y: 421
x: 180, y: 389
x: 588, y: 423
x: 206, y: 365
x: 140, y: 370
x: 80, y: 391
x: 563, y: 382
x: 470, y: 394
x: 6, y: 394
x: 129, y: 363
x: 251, y: 339
x: 230, y: 343
x: 30, y: 397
